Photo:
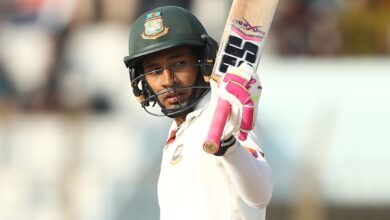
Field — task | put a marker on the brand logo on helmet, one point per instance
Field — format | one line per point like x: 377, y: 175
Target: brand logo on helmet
x: 154, y: 26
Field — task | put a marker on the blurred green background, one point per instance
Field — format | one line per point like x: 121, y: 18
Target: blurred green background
x: 75, y: 145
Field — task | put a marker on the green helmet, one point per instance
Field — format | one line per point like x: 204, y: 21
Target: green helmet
x: 164, y: 28
x: 161, y: 29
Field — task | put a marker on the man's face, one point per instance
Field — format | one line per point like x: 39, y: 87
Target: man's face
x: 171, y: 75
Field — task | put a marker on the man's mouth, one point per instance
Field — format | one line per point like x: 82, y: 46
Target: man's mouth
x: 173, y: 98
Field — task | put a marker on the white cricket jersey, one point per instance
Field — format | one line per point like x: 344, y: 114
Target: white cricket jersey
x: 194, y: 184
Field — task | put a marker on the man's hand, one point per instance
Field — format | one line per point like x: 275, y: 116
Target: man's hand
x: 241, y: 87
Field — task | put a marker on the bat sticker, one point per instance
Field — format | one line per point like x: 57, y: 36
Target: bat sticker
x: 243, y: 45
x: 248, y: 28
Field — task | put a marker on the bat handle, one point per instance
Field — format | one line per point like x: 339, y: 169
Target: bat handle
x: 221, y: 114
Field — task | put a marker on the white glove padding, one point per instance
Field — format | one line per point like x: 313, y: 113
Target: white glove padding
x: 241, y: 87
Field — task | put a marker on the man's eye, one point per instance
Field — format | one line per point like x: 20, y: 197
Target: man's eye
x: 155, y: 71
x: 179, y: 65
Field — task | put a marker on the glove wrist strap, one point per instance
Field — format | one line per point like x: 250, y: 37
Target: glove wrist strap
x: 225, y: 145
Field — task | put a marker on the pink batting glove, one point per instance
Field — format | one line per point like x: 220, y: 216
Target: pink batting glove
x: 241, y: 87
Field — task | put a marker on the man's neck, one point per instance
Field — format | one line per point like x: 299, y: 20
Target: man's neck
x: 180, y: 120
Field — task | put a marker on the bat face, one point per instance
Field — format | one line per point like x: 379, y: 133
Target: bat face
x: 243, y: 45
x: 245, y: 33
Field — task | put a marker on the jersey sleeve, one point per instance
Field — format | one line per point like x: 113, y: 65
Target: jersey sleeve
x: 250, y: 172
x: 253, y: 143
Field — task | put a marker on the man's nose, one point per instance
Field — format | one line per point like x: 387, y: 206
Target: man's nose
x: 168, y: 77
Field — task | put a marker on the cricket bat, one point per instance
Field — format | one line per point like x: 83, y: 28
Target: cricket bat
x: 242, y: 41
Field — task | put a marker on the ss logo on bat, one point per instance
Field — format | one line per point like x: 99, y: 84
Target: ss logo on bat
x: 236, y: 52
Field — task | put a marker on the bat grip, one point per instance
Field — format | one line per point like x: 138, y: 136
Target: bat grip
x: 221, y: 114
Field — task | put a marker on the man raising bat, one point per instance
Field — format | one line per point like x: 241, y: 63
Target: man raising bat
x: 170, y: 62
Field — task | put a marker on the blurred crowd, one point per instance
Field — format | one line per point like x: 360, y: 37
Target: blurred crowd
x: 54, y: 54
x: 333, y: 28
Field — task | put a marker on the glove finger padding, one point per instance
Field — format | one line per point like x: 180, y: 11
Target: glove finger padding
x: 241, y: 87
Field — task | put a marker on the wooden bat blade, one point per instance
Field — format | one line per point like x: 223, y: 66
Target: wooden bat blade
x: 245, y: 32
